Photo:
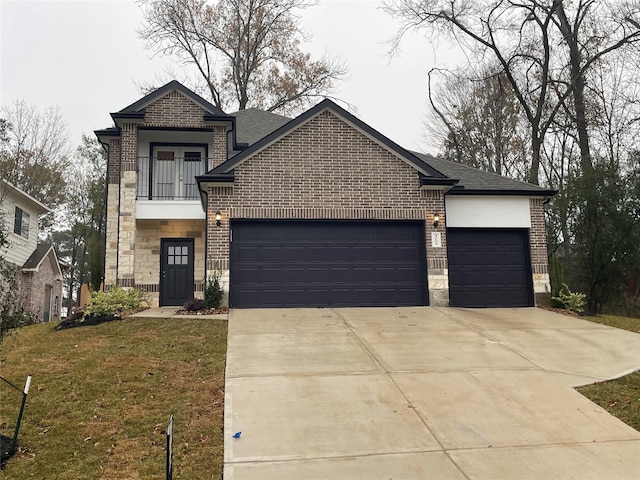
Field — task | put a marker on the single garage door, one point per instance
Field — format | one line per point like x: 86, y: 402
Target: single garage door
x: 327, y: 263
x: 489, y: 268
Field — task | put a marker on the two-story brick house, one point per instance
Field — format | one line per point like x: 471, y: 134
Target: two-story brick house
x: 37, y: 266
x: 318, y: 210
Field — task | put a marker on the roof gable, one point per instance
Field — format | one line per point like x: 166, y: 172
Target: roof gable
x: 327, y: 105
x: 137, y: 109
x: 42, y: 252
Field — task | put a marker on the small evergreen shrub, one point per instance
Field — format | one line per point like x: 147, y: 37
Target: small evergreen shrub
x: 213, y: 292
x: 193, y: 305
x: 116, y: 300
x: 571, y: 300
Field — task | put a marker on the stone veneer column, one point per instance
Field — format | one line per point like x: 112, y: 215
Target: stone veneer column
x: 437, y: 266
x: 113, y: 195
x: 128, y: 191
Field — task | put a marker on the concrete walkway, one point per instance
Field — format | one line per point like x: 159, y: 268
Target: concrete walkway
x: 423, y: 392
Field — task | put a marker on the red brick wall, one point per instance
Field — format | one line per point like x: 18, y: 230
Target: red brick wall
x: 538, y: 237
x: 325, y: 169
x: 33, y: 290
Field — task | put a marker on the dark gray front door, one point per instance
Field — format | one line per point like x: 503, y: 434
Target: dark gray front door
x: 489, y: 268
x: 176, y: 271
x: 319, y: 263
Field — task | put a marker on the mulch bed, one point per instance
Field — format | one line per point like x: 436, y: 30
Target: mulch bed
x: 89, y: 320
x: 77, y: 321
x: 206, y: 311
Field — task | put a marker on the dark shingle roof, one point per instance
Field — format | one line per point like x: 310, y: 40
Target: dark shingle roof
x: 474, y: 181
x: 37, y: 256
x: 253, y: 124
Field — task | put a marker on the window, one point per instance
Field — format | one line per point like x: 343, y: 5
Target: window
x: 21, y: 224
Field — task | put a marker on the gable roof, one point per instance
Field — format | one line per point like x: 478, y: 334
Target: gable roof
x: 42, y: 251
x: 428, y: 174
x: 137, y: 109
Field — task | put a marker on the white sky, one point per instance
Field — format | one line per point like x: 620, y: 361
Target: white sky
x: 84, y: 57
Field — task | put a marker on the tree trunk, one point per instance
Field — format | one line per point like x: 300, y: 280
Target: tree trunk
x: 536, y: 147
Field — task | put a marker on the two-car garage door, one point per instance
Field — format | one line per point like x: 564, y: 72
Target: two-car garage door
x: 327, y: 263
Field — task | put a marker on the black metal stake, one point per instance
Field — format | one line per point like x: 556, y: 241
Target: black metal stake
x: 170, y: 448
x: 14, y: 444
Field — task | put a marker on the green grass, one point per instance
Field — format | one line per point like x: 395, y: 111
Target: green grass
x: 621, y: 397
x: 101, y: 398
x: 625, y: 323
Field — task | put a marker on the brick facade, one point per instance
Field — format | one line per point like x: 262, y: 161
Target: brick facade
x: 33, y: 289
x: 327, y: 169
x: 133, y: 246
x: 538, y: 243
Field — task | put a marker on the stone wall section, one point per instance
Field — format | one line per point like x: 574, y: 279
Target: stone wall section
x: 325, y: 169
x: 147, y: 252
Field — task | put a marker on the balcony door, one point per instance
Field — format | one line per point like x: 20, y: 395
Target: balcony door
x: 174, y: 171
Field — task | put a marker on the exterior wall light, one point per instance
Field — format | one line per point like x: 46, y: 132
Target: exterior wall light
x: 436, y: 219
x: 218, y: 218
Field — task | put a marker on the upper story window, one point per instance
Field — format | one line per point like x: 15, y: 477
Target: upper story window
x: 21, y: 223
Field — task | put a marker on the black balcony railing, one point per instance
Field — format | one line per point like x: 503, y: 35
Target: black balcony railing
x: 169, y: 179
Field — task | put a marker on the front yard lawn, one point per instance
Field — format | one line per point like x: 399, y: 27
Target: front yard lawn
x: 620, y: 397
x: 101, y: 397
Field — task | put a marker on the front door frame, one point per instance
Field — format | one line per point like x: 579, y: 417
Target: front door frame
x: 163, y: 268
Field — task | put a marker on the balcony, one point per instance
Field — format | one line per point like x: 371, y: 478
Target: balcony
x: 167, y: 187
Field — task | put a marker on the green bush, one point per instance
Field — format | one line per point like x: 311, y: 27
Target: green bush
x: 116, y: 300
x: 572, y: 300
x: 213, y: 292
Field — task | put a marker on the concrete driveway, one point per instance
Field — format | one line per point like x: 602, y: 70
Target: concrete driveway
x: 423, y: 392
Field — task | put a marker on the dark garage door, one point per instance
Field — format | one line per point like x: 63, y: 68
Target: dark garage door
x: 327, y: 263
x: 489, y: 268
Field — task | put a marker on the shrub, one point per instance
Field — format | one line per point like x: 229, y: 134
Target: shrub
x: 572, y: 300
x: 193, y: 305
x: 116, y: 300
x: 213, y: 292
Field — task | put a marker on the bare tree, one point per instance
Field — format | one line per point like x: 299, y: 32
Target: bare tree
x: 35, y: 151
x: 482, y: 120
x: 544, y: 52
x: 246, y: 51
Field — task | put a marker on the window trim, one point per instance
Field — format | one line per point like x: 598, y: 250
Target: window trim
x: 22, y: 222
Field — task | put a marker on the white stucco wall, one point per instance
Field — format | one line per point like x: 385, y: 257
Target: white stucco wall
x: 486, y: 211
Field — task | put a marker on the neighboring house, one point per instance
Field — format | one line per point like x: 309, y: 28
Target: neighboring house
x: 320, y: 210
x: 40, y: 276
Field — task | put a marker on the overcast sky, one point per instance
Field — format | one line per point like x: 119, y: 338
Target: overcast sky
x: 84, y: 57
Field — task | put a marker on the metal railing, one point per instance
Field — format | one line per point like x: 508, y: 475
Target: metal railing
x: 172, y: 179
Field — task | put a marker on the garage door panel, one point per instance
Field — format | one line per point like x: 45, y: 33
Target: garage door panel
x: 489, y: 268
x: 323, y: 263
